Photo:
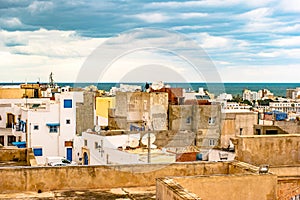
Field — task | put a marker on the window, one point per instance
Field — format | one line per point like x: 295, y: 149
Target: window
x: 0, y: 118
x: 85, y: 142
x: 53, y: 129
x: 188, y: 120
x: 35, y: 127
x: 38, y: 151
x: 211, y: 120
x: 10, y: 139
x: 212, y: 142
x: 68, y: 121
x: 96, y: 145
x: 67, y: 103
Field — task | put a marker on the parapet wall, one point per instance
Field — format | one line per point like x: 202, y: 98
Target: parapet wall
x: 18, y: 179
x: 13, y: 155
x: 274, y: 150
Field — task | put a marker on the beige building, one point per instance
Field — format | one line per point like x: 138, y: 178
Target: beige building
x: 139, y: 111
x: 204, y: 120
x: 237, y: 123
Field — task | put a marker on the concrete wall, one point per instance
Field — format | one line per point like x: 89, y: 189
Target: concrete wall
x: 288, y: 187
x: 149, y: 109
x: 291, y: 127
x: 15, y: 93
x: 85, y: 113
x: 234, y: 187
x: 97, y: 177
x: 13, y: 154
x: 275, y: 150
x: 102, y: 106
x: 205, y: 120
x: 233, y: 122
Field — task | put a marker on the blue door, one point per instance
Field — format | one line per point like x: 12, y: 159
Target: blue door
x: 86, y: 158
x: 69, y: 154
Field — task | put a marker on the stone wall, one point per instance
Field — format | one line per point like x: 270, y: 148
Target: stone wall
x: 13, y: 154
x: 97, y: 177
x: 85, y: 113
x: 274, y: 150
x: 234, y: 187
x: 291, y: 127
x: 235, y: 124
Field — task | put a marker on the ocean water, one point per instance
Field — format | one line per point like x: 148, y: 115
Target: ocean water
x: 279, y: 89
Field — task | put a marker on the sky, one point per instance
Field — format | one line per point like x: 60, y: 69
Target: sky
x: 246, y: 41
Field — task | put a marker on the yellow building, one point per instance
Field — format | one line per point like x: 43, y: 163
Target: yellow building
x: 102, y: 106
x: 23, y: 91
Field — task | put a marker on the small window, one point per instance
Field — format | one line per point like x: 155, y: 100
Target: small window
x: 188, y: 120
x: 0, y: 118
x: 212, y: 142
x: 35, y: 127
x: 11, y: 139
x: 85, y: 142
x: 96, y: 145
x: 68, y: 103
x: 211, y: 121
x: 38, y: 151
x: 68, y: 121
x: 53, y: 129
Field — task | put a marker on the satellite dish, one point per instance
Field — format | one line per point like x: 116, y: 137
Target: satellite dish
x: 133, y: 143
x: 157, y: 85
x: 89, y: 130
x: 97, y: 128
x: 145, y: 139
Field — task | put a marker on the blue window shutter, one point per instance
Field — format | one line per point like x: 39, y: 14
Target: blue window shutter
x: 38, y: 152
x: 67, y: 103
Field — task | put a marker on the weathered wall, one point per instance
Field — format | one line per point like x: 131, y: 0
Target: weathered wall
x: 141, y: 107
x: 96, y: 177
x: 291, y: 127
x: 13, y: 154
x: 234, y: 187
x: 15, y: 93
x: 233, y: 122
x: 85, y: 113
x: 288, y: 187
x: 274, y: 150
x: 167, y: 188
x: 205, y: 120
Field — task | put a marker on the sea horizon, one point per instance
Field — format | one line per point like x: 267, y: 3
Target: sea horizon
x: 234, y: 88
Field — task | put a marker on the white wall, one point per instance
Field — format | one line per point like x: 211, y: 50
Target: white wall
x: 109, y: 149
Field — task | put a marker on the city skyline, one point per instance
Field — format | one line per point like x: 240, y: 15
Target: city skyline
x: 246, y: 41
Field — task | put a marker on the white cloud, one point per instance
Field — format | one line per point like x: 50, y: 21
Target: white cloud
x: 282, y: 53
x: 39, y: 52
x: 40, y: 6
x: 208, y: 3
x: 287, y: 42
x: 13, y: 22
x: 289, y: 6
x: 179, y: 28
x: 256, y: 14
x: 264, y: 73
x: 153, y: 17
x: 192, y: 15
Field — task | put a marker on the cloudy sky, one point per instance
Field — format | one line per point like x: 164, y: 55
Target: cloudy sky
x: 247, y: 41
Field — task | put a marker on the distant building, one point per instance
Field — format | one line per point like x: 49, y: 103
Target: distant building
x: 285, y: 106
x: 293, y: 93
x: 250, y: 95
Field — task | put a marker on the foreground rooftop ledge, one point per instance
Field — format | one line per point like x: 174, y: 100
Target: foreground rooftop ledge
x: 136, y: 165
